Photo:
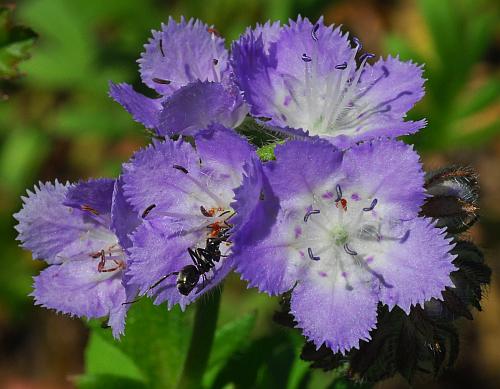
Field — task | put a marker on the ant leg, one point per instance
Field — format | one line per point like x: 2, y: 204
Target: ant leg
x: 205, y: 283
x: 195, y: 257
x: 161, y: 280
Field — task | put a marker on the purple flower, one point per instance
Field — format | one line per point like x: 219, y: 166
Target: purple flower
x: 306, y: 80
x: 181, y: 249
x: 187, y: 64
x: 81, y: 232
x: 346, y: 237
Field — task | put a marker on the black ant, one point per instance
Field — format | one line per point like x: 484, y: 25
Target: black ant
x: 204, y: 260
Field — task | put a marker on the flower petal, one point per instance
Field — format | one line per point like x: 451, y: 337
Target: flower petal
x: 96, y: 194
x: 182, y: 53
x: 334, y: 315
x: 199, y: 104
x: 77, y: 288
x: 47, y: 227
x: 124, y: 220
x: 381, y: 169
x: 274, y: 80
x: 143, y: 109
x: 416, y: 267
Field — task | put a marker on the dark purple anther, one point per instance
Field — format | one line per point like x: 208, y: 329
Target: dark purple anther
x: 161, y: 48
x: 366, y: 56
x: 349, y: 251
x: 306, y: 58
x: 309, y: 213
x: 372, y: 205
x: 339, y: 193
x: 386, y: 71
x: 311, y: 255
x: 342, y: 66
x: 357, y: 43
x: 314, y: 31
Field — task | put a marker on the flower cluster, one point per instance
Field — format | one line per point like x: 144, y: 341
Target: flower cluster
x: 334, y: 219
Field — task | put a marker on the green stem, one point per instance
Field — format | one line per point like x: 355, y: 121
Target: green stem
x: 205, y: 322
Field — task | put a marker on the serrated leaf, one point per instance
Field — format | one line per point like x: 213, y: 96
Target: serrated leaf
x: 15, y: 43
x: 156, y: 340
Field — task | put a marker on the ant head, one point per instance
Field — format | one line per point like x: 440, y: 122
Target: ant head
x: 187, y: 279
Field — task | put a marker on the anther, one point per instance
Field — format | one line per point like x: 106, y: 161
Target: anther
x: 357, y: 43
x: 306, y: 58
x: 405, y: 237
x: 161, y: 81
x: 147, y: 210
x: 314, y: 31
x: 372, y: 205
x: 88, y: 208
x: 309, y: 213
x: 204, y: 212
x: 349, y: 251
x: 311, y: 255
x: 215, y: 61
x: 161, y: 48
x: 181, y: 168
x: 339, y: 193
x: 342, y: 66
x: 386, y: 71
x: 366, y: 56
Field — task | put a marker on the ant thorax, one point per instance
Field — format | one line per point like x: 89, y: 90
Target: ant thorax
x: 218, y: 227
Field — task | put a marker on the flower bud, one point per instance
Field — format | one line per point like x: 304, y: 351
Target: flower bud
x: 454, y: 198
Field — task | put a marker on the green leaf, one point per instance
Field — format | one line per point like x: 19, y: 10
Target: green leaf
x: 156, y: 340
x: 229, y: 339
x: 21, y: 155
x: 105, y: 358
x: 15, y: 43
x: 108, y: 382
x: 480, y: 99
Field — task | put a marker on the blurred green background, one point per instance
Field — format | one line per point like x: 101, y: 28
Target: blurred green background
x: 56, y: 121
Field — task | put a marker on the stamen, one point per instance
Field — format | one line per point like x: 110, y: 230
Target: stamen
x: 161, y: 81
x: 314, y: 31
x: 372, y: 205
x: 215, y: 61
x: 311, y: 255
x: 358, y: 44
x: 88, y: 208
x: 349, y: 251
x: 204, y: 212
x: 405, y: 237
x: 147, y: 210
x: 181, y: 168
x: 161, y: 48
x: 342, y: 66
x: 366, y: 56
x: 386, y: 71
x: 309, y: 213
x: 306, y: 58
x: 339, y: 193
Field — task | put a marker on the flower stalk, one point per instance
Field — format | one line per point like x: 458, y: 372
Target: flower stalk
x: 205, y: 322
